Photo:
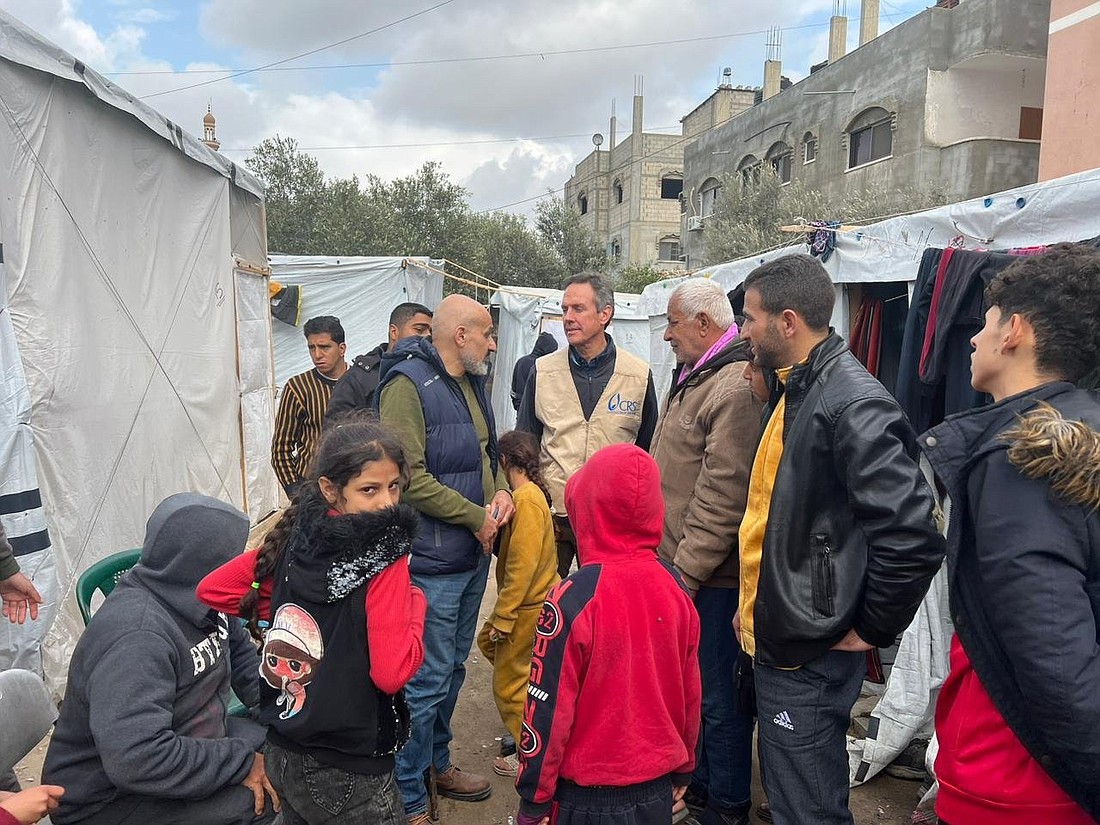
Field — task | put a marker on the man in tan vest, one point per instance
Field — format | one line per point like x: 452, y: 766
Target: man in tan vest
x: 585, y: 397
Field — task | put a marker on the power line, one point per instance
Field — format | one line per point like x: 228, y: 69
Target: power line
x: 278, y: 67
x: 445, y: 143
x: 275, y: 63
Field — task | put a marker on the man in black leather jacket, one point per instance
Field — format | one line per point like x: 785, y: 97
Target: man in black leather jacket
x: 838, y: 544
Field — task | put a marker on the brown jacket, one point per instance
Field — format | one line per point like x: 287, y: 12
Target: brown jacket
x: 704, y: 445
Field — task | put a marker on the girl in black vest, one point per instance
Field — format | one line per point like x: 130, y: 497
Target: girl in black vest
x: 329, y: 595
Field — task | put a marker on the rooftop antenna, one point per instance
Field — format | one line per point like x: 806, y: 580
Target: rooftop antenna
x: 775, y: 43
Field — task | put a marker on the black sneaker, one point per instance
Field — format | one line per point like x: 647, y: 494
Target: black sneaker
x: 909, y: 764
x: 695, y: 799
x: 727, y: 816
x: 764, y: 812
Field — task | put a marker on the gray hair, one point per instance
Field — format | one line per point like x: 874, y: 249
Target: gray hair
x: 605, y: 296
x: 702, y: 296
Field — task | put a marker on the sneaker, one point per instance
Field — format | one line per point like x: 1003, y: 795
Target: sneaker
x: 420, y: 819
x: 696, y: 800
x: 465, y: 787
x: 725, y: 816
x: 909, y: 764
x: 764, y: 812
x: 506, y: 765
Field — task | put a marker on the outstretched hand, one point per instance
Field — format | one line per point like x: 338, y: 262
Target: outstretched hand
x: 20, y: 597
x: 259, y: 784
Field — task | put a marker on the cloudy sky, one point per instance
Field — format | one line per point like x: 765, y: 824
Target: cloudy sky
x: 506, y: 95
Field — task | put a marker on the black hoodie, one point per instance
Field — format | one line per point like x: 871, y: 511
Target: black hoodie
x: 145, y: 708
x: 545, y: 345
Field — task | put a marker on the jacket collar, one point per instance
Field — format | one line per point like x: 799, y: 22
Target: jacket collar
x: 607, y: 355
x: 956, y: 444
x: 737, y: 350
x: 802, y: 375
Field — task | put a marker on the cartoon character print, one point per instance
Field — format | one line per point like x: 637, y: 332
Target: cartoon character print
x: 292, y: 650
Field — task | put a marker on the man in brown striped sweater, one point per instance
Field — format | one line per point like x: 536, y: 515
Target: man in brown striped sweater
x: 304, y: 401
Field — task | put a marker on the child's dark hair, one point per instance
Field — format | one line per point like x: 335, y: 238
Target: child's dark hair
x: 348, y: 444
x: 521, y: 450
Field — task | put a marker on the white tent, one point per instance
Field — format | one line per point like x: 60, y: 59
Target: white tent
x: 360, y: 291
x: 135, y: 339
x: 523, y: 315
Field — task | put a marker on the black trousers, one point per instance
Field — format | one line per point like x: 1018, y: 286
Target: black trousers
x: 229, y: 806
x: 649, y: 803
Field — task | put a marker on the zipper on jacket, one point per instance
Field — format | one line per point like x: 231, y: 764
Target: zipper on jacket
x: 438, y: 537
x: 822, y: 575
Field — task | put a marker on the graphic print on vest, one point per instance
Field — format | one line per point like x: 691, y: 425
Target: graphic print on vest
x: 292, y: 650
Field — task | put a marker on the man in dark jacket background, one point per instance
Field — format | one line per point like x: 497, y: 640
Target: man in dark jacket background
x: 433, y: 393
x: 1018, y: 719
x: 143, y: 734
x: 355, y: 391
x: 544, y: 345
x: 837, y: 546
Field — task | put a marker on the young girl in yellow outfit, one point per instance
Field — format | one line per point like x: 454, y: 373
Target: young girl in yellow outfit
x: 527, y: 567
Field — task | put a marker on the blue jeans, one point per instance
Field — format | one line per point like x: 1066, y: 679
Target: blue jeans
x: 804, y: 716
x: 316, y: 794
x: 723, y: 763
x: 454, y: 600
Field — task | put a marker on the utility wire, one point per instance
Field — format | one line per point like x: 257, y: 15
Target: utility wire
x: 274, y: 64
x: 445, y: 143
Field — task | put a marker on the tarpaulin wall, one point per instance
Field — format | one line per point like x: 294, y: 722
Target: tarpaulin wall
x: 360, y: 291
x: 118, y: 333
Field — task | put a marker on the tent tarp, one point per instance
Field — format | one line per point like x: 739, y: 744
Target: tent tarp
x: 360, y: 291
x: 118, y: 325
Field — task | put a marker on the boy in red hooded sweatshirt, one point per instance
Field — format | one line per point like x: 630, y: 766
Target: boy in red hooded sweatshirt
x: 612, y: 709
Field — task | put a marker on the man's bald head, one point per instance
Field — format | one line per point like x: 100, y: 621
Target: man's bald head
x: 462, y: 331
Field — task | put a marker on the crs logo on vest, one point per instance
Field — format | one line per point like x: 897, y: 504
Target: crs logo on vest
x: 617, y: 405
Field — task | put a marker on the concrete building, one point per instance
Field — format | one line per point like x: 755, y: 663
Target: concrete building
x: 628, y: 195
x: 953, y: 95
x: 1071, y: 108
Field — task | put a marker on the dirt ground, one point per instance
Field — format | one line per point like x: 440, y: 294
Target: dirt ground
x: 477, y: 728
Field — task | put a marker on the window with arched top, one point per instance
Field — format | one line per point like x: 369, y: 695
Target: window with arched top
x: 672, y: 184
x: 617, y: 189
x: 809, y: 148
x: 780, y: 158
x: 708, y: 196
x: 749, y: 170
x: 870, y: 137
x: 616, y: 249
x: 582, y: 203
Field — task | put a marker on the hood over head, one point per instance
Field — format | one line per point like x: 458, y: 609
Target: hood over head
x: 615, y: 505
x: 186, y: 537
x: 545, y: 344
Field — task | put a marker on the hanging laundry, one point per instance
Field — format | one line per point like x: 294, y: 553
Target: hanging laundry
x: 822, y: 239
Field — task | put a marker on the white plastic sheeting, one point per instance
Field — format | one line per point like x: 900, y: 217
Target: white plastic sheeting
x: 519, y: 325
x: 119, y: 236
x: 360, y: 291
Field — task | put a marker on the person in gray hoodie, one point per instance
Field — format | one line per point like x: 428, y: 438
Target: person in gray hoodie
x: 143, y: 734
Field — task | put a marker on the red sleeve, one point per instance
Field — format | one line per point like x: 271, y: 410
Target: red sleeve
x: 395, y: 627
x: 559, y: 659
x: 224, y: 588
x: 7, y: 818
x: 693, y: 693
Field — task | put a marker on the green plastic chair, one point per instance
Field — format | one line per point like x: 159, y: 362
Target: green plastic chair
x: 103, y: 576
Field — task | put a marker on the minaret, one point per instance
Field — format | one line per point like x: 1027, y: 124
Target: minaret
x: 208, y: 130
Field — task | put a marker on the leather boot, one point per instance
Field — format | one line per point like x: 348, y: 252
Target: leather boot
x: 465, y: 787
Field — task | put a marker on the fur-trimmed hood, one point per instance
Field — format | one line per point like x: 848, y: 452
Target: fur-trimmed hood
x: 1045, y: 444
x: 1050, y: 432
x: 331, y: 555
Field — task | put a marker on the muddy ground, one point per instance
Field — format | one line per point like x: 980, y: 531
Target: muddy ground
x: 477, y: 726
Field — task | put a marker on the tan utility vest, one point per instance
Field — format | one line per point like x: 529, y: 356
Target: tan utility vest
x: 567, y: 439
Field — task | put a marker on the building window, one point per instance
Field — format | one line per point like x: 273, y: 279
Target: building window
x: 779, y: 158
x: 582, y: 204
x: 809, y: 148
x: 749, y: 170
x: 708, y: 196
x: 671, y: 187
x: 618, y: 187
x: 870, y: 137
x: 616, y: 249
x: 668, y: 249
